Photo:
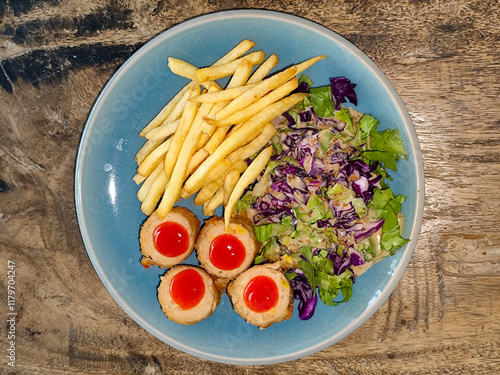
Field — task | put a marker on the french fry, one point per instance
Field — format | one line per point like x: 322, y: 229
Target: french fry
x: 246, y: 113
x: 196, y: 160
x: 308, y: 63
x: 239, y: 78
x: 239, y: 138
x: 207, y: 131
x: 182, y: 68
x: 154, y: 194
x: 230, y: 181
x: 219, y: 170
x: 148, y: 182
x: 241, y: 74
x: 251, y: 173
x: 163, y: 131
x: 220, y: 71
x: 154, y: 158
x: 179, y: 136
x: 255, y: 145
x: 221, y: 96
x: 187, y: 70
x: 255, y: 93
x: 207, y: 189
x: 146, y: 149
x: 179, y: 108
x: 262, y: 71
x: 214, y: 202
x: 207, y: 192
x: 242, y: 47
x: 217, y: 138
x: 138, y: 178
x: 166, y: 110
x: 178, y: 176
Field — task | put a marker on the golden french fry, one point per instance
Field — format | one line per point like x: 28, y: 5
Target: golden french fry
x: 154, y: 158
x: 221, y: 96
x: 154, y: 194
x: 166, y: 110
x: 230, y: 182
x: 255, y: 93
x: 219, y: 170
x: 178, y: 176
x: 217, y: 138
x: 254, y: 145
x: 207, y: 131
x: 308, y: 63
x: 241, y: 74
x: 207, y: 191
x: 146, y: 149
x: 196, y: 160
x: 138, y: 178
x: 212, y: 141
x: 246, y: 113
x: 148, y: 182
x: 220, y: 71
x: 264, y: 68
x: 182, y: 68
x: 251, y: 173
x: 239, y: 138
x: 179, y: 108
x: 163, y: 131
x: 214, y: 202
x: 179, y: 136
x: 242, y: 47
x: 187, y: 70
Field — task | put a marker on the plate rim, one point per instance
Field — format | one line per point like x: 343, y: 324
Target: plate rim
x: 401, y: 109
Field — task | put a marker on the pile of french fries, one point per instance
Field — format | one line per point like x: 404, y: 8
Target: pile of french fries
x: 200, y: 141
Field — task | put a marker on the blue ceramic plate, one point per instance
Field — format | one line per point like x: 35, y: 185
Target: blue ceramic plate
x: 109, y: 213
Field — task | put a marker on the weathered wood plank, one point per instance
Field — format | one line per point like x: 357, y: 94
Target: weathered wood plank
x: 443, y: 58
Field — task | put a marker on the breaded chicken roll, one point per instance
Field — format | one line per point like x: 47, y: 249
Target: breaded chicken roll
x: 262, y: 296
x: 170, y: 241
x: 187, y: 294
x: 226, y: 255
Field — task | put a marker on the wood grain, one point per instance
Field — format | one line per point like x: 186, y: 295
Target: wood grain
x: 443, y: 59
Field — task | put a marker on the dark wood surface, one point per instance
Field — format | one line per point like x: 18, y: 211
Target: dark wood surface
x: 442, y: 57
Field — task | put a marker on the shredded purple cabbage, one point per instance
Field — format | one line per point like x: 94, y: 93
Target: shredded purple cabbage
x: 303, y: 292
x: 342, y: 89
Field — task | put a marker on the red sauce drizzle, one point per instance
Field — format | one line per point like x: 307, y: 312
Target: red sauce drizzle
x: 187, y: 289
x: 227, y: 252
x: 261, y: 294
x: 171, y: 239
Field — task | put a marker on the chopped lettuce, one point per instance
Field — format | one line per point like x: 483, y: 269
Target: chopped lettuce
x: 388, y: 208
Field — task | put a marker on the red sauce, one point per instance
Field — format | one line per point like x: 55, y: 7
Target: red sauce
x: 171, y: 239
x: 227, y: 252
x: 187, y: 289
x: 261, y: 294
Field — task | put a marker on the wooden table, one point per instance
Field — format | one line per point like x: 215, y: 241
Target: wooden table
x: 442, y: 57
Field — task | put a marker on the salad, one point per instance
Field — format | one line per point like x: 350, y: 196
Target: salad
x: 323, y: 206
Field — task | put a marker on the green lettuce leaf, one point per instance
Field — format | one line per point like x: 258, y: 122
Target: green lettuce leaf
x: 388, y: 207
